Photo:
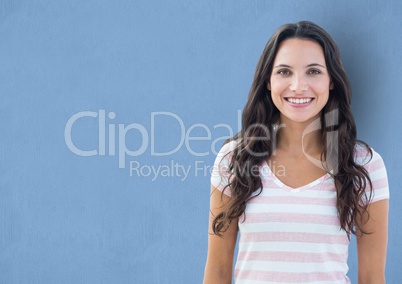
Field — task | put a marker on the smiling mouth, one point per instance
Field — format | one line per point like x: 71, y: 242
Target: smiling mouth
x: 299, y: 101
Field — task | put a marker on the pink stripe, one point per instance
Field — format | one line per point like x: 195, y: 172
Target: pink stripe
x: 328, y: 185
x: 380, y: 183
x: 361, y: 153
x: 294, y: 237
x: 375, y: 165
x: 282, y: 256
x: 293, y: 200
x: 288, y: 277
x: 285, y: 217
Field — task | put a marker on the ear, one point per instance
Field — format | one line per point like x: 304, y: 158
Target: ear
x: 269, y: 86
x: 331, y: 86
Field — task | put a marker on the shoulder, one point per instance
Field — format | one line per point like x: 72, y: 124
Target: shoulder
x: 375, y: 167
x: 221, y: 173
x: 367, y: 157
x: 227, y: 149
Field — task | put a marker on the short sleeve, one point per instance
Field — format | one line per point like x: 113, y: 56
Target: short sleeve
x: 378, y: 176
x: 220, y: 175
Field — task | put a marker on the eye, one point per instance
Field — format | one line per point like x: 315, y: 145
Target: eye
x: 284, y: 72
x: 314, y: 71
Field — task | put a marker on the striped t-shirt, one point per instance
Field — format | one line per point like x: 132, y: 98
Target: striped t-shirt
x: 293, y: 235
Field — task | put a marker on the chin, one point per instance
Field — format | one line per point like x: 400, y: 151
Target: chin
x: 303, y: 119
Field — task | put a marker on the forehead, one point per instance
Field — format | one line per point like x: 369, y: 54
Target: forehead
x: 299, y: 50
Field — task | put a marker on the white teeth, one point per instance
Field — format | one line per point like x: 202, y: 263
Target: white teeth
x: 299, y: 101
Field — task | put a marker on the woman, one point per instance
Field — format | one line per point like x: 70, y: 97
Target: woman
x: 294, y: 182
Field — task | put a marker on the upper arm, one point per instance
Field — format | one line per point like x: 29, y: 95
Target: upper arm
x: 372, y: 247
x: 219, y: 264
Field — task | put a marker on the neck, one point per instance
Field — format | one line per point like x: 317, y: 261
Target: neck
x: 300, y: 137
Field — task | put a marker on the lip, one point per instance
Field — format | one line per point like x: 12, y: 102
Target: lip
x: 299, y: 105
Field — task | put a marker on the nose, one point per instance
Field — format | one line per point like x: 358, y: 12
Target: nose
x: 298, y: 84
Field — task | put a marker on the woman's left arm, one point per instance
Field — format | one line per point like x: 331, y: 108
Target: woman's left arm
x: 372, y: 247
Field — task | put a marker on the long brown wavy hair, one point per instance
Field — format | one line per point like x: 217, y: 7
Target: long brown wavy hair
x: 260, y: 118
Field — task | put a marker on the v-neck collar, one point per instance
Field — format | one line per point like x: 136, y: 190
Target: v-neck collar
x: 267, y: 173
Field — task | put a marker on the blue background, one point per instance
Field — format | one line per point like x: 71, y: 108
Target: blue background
x: 65, y: 218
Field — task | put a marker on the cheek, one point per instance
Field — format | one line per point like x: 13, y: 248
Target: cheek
x: 321, y: 88
x: 278, y: 86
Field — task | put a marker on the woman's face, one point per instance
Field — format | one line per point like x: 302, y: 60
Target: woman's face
x: 299, y: 82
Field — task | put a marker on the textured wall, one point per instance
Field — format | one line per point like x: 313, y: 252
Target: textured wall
x: 123, y: 214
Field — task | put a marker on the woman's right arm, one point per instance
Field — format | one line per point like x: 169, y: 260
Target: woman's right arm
x: 218, y: 269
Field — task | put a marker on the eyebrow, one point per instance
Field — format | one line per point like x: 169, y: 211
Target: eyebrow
x: 310, y: 65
